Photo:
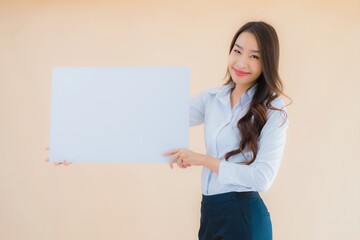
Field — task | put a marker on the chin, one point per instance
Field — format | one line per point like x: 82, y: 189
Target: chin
x: 243, y: 82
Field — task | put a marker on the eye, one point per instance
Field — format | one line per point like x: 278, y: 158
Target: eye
x: 254, y: 56
x: 237, y: 51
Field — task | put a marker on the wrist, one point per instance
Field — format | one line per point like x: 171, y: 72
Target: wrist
x: 203, y: 159
x: 211, y: 163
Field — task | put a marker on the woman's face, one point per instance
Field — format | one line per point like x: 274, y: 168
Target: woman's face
x: 244, y: 61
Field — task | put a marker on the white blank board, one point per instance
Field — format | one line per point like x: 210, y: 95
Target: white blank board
x: 118, y: 114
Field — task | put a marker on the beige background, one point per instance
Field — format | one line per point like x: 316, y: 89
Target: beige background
x: 317, y: 192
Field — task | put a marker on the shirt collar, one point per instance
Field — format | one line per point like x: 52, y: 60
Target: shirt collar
x: 223, y: 92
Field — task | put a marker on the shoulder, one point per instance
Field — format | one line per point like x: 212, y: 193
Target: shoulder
x: 280, y: 115
x: 211, y: 92
x: 279, y: 103
x: 216, y: 90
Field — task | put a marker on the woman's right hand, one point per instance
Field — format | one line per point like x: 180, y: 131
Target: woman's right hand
x: 65, y: 163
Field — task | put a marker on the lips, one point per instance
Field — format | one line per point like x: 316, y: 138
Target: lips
x: 240, y: 73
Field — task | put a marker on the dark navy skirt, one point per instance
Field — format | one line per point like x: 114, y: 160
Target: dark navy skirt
x: 234, y: 216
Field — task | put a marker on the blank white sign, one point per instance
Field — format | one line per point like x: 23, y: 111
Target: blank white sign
x: 118, y: 114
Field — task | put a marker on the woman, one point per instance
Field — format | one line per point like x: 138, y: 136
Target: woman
x: 245, y: 132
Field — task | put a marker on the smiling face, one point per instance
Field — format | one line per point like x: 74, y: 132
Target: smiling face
x: 244, y: 62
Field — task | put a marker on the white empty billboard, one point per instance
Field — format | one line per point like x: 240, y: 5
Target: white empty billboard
x: 118, y: 114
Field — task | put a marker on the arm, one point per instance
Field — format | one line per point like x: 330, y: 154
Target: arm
x: 197, y: 109
x: 262, y: 172
x: 197, y: 117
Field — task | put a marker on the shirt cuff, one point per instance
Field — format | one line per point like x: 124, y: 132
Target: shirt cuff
x: 223, y: 174
x: 233, y: 173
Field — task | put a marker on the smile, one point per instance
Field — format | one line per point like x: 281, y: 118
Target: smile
x: 240, y: 73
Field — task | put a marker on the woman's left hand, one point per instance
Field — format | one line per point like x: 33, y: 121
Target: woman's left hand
x: 185, y: 157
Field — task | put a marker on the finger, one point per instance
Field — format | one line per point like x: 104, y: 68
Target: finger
x: 172, y: 160
x: 175, y: 159
x: 184, y: 165
x: 172, y: 151
x: 180, y: 163
x: 171, y: 163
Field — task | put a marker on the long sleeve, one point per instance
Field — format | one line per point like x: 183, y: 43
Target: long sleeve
x: 197, y: 108
x: 262, y: 172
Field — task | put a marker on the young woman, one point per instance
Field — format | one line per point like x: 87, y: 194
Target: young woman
x: 245, y: 127
x: 245, y: 132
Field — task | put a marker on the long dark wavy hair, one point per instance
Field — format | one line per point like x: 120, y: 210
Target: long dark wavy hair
x: 269, y: 87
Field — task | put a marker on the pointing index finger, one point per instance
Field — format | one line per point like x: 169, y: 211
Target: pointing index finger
x: 172, y: 151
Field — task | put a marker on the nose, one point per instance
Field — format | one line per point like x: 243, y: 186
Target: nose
x: 242, y: 61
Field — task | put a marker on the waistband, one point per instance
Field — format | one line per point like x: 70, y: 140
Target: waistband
x: 223, y: 197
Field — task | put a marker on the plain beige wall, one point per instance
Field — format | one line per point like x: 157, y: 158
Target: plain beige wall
x: 317, y: 192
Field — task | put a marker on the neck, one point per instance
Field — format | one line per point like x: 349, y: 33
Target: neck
x: 237, y: 92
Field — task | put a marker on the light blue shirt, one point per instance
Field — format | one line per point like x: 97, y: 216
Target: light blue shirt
x: 213, y: 109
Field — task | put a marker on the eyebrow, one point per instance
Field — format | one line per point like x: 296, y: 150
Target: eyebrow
x: 256, y: 51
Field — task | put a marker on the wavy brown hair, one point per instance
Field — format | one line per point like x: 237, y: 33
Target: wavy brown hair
x: 269, y: 87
